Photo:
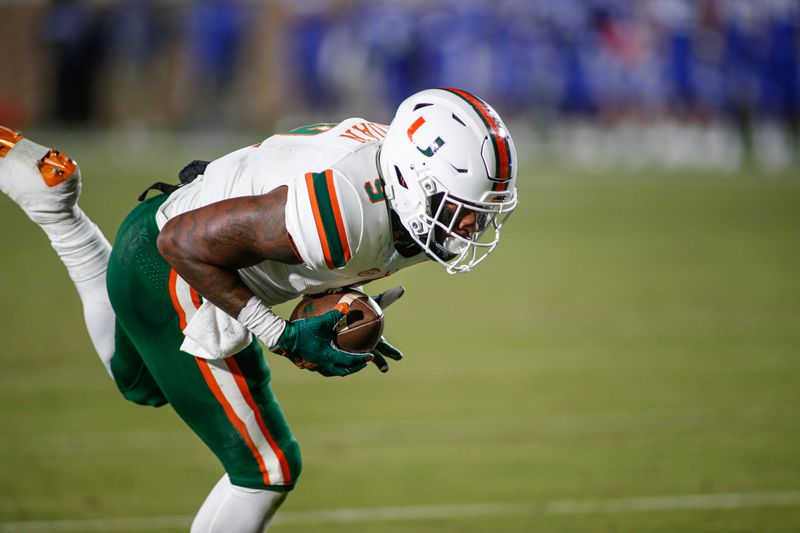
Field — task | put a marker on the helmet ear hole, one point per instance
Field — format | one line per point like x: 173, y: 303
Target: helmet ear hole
x: 400, y: 177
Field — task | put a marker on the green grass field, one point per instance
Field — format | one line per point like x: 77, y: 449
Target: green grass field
x: 634, y: 336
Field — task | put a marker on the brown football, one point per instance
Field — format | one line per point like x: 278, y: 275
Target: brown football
x: 359, y: 331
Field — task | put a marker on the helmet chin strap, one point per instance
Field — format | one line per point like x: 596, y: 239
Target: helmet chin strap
x: 454, y: 246
x: 439, y: 250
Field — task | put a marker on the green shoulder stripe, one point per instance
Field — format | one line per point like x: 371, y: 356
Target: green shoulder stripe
x: 328, y: 218
x: 311, y: 129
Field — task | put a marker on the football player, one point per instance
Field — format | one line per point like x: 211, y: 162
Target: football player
x: 176, y: 308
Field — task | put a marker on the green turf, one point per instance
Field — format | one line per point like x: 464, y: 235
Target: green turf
x: 633, y: 336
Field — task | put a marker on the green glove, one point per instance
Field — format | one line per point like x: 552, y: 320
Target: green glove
x: 384, y: 349
x: 308, y: 343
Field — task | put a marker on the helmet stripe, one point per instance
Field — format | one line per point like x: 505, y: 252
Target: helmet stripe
x: 502, y: 150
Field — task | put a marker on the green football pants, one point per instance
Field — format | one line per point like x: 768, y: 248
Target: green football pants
x: 228, y: 403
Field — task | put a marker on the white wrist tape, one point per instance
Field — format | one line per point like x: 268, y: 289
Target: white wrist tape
x: 260, y: 319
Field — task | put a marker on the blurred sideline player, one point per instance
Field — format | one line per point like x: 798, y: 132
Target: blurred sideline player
x: 175, y: 308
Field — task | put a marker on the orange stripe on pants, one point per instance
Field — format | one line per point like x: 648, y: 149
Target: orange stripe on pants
x: 245, y: 390
x: 173, y: 294
x: 235, y: 420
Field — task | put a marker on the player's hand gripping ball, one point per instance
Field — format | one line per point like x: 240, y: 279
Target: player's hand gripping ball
x: 359, y: 331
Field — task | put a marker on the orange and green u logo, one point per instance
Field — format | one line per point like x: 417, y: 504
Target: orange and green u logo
x: 430, y: 150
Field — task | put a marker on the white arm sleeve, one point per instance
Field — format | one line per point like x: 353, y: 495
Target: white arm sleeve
x: 260, y: 319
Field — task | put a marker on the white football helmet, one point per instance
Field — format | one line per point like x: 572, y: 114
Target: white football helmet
x: 448, y: 156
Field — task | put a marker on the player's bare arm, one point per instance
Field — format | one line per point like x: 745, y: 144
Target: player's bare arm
x: 207, y: 245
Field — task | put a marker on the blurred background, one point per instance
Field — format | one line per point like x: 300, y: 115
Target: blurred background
x: 627, y: 360
x: 673, y: 82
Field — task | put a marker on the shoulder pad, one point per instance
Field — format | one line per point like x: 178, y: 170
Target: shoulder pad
x: 324, y: 218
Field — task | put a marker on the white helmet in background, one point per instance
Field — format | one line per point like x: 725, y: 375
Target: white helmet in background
x: 448, y: 153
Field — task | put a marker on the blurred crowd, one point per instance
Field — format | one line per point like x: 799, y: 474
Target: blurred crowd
x: 568, y: 56
x: 229, y: 63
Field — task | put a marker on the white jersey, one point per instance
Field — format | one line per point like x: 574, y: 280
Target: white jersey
x: 336, y: 213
